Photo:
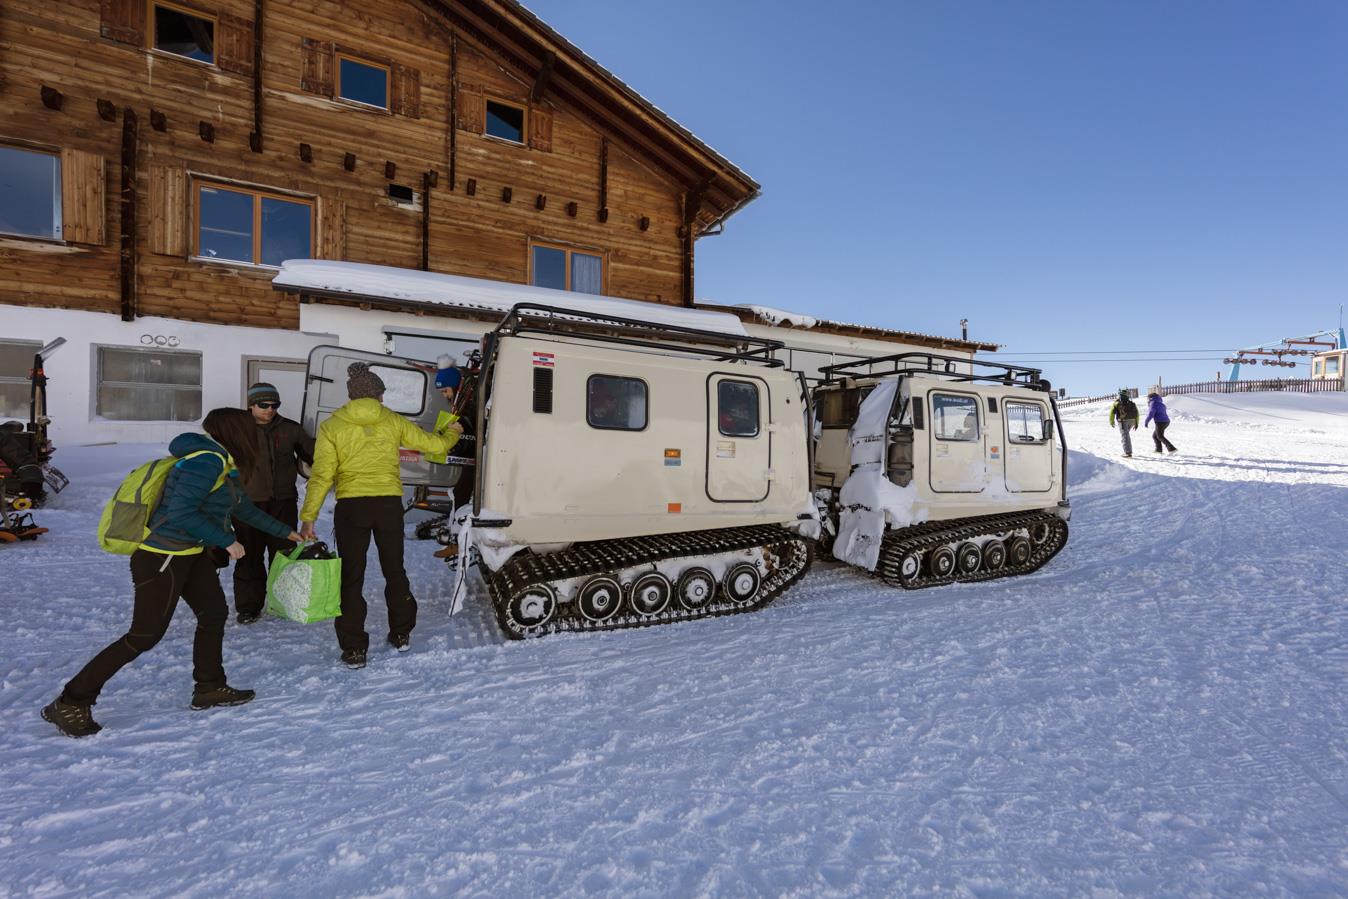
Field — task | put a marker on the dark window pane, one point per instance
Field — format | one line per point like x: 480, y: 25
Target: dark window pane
x: 363, y: 83
x: 549, y: 268
x: 954, y: 417
x: 184, y: 34
x: 737, y: 409
x: 30, y: 193
x: 147, y: 367
x: 505, y: 121
x: 285, y: 231
x: 587, y: 273
x: 615, y: 403
x: 226, y: 226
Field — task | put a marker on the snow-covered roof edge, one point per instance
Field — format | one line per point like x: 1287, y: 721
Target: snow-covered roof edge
x: 400, y: 285
x: 782, y: 318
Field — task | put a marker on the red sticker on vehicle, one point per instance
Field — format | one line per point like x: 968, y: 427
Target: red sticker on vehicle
x: 407, y: 455
x: 547, y: 359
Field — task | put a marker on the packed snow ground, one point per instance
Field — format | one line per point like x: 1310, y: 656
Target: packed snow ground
x: 1161, y: 710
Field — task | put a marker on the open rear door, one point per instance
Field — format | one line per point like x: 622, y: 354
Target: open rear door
x: 410, y: 391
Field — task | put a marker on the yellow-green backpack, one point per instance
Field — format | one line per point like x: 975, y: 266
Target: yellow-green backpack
x: 126, y: 518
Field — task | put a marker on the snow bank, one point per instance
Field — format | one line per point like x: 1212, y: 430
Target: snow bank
x: 386, y: 282
x: 1161, y: 710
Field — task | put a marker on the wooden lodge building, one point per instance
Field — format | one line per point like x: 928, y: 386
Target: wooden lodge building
x: 160, y: 159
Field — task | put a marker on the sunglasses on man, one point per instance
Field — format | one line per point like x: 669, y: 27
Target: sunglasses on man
x: 267, y: 405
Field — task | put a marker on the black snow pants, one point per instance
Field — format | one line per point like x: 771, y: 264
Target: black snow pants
x: 355, y: 520
x: 1158, y: 436
x: 160, y: 581
x: 260, y: 548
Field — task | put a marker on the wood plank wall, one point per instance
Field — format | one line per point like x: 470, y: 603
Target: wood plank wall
x: 74, y: 48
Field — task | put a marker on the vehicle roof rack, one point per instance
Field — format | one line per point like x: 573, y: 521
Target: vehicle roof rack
x: 946, y: 366
x: 535, y: 318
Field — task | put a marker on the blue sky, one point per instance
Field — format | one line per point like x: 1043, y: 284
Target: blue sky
x: 1070, y: 176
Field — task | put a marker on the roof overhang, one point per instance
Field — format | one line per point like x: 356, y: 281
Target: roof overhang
x: 430, y: 293
x: 782, y: 319
x: 716, y: 187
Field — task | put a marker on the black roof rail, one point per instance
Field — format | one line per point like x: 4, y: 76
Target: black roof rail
x: 537, y: 318
x: 946, y: 366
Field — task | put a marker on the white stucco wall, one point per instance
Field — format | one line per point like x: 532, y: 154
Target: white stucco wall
x: 71, y: 392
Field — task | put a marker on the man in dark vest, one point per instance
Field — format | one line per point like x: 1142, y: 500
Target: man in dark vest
x: 1123, y: 415
x: 282, y: 446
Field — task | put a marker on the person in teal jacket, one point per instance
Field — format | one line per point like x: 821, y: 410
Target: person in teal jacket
x: 190, y: 538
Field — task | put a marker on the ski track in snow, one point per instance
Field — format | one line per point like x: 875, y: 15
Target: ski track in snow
x: 1161, y: 710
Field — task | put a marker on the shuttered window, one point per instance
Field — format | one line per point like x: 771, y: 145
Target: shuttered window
x: 30, y: 193
x: 148, y: 385
x: 235, y: 224
x: 361, y: 81
x: 505, y: 120
x: 183, y: 33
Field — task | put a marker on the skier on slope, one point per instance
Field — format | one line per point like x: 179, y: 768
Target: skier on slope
x: 1156, y: 414
x: 1123, y: 414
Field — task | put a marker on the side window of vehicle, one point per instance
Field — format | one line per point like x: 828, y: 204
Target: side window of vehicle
x: 954, y: 417
x: 404, y: 388
x: 737, y: 409
x: 615, y: 404
x: 1025, y: 422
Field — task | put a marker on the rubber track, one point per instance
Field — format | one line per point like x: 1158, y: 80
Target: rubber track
x: 789, y: 557
x: 926, y: 537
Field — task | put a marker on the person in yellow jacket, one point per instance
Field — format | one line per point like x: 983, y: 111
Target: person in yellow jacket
x: 357, y: 451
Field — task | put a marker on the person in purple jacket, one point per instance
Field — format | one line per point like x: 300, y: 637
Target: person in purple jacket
x: 1156, y: 415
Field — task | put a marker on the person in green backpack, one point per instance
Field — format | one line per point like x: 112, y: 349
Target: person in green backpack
x: 189, y: 537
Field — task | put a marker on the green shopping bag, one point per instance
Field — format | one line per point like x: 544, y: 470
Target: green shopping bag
x: 305, y: 584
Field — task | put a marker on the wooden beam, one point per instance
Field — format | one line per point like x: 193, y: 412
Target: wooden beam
x: 453, y: 109
x: 255, y: 139
x: 127, y: 253
x: 427, y: 182
x: 543, y: 77
x: 603, y: 179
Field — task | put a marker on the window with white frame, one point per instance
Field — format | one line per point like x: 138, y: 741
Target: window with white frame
x: 1331, y: 365
x: 16, y: 361
x: 30, y: 193
x: 148, y: 385
x: 1025, y: 422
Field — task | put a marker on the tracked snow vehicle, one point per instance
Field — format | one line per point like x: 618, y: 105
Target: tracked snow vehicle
x: 934, y: 470
x: 626, y: 473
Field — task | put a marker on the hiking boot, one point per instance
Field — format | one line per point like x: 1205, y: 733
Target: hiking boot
x: 248, y: 617
x: 72, y: 720
x: 449, y: 551
x: 223, y: 695
x: 400, y: 642
x: 353, y: 658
